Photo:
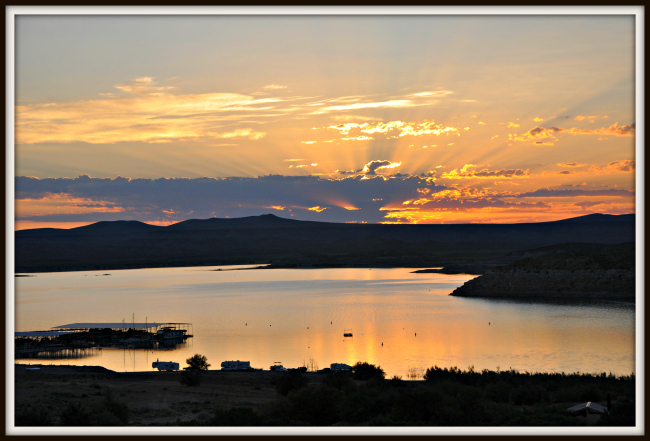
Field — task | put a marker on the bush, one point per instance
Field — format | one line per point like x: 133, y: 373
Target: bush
x: 29, y: 416
x: 591, y: 393
x: 622, y: 414
x: 315, y: 406
x: 289, y: 381
x: 108, y: 412
x: 365, y: 371
x: 237, y: 416
x: 75, y: 415
x: 339, y: 380
x: 191, y: 378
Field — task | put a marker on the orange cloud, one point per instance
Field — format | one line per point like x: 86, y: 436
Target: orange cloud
x: 145, y: 112
x: 465, y: 173
x: 404, y: 128
x: 624, y: 166
x: 370, y: 169
x: 318, y: 209
x: 545, y: 135
x: 570, y: 164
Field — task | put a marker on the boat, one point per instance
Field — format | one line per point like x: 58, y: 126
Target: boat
x: 168, y: 333
x: 347, y: 333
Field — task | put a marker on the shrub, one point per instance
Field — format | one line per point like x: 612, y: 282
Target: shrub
x: 191, y: 378
x: 75, y: 415
x: 30, y: 416
x: 365, y: 371
x: 289, y: 381
x: 339, y: 380
x: 315, y: 406
x: 237, y: 416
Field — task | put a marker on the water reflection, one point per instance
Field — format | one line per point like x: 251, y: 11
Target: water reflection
x: 60, y: 354
x: 293, y: 315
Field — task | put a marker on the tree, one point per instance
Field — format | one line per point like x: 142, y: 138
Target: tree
x: 365, y: 370
x: 198, y: 362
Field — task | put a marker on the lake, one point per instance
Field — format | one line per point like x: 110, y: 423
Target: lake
x: 297, y: 315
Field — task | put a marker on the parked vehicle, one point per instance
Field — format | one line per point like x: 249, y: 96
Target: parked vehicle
x: 236, y: 366
x: 165, y: 365
x: 277, y: 367
x: 340, y: 367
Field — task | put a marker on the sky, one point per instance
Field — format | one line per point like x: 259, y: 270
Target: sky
x: 377, y: 119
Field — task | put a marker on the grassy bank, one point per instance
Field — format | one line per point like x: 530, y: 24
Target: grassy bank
x: 446, y: 397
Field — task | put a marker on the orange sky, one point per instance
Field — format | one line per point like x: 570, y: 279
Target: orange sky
x: 335, y: 118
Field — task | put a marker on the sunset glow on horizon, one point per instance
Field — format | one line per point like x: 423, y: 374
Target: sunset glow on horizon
x: 377, y: 119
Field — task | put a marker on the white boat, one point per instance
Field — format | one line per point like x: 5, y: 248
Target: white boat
x: 167, y: 333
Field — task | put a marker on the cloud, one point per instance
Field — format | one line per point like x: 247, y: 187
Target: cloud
x: 176, y: 199
x: 371, y: 168
x: 538, y: 119
x: 366, y: 105
x: 570, y: 193
x: 352, y: 198
x: 357, y: 138
x: 546, y: 135
x: 465, y: 173
x: 426, y: 127
x: 570, y: 164
x: 274, y: 87
x: 511, y: 124
x: 581, y: 117
x: 587, y: 204
x: 144, y: 112
x: 624, y: 166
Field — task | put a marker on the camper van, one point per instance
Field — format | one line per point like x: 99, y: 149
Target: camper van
x: 236, y: 366
x: 340, y: 367
x: 165, y: 365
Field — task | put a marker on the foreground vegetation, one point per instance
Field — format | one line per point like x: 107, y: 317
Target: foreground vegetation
x: 446, y: 397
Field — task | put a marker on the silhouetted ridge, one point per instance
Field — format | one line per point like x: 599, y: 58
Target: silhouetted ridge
x: 599, y: 217
x: 121, y: 226
x: 293, y: 243
x: 264, y: 220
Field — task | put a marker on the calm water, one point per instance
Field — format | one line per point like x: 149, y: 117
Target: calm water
x: 288, y: 315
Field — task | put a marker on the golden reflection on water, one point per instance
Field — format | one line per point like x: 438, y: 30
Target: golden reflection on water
x: 292, y: 316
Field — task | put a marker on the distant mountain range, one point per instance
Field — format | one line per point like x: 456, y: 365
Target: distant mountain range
x: 287, y: 242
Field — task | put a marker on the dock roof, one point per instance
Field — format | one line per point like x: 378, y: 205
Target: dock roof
x: 118, y: 325
x: 41, y: 333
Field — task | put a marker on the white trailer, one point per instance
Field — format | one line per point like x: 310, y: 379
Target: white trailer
x: 165, y: 365
x: 236, y: 365
x: 340, y: 367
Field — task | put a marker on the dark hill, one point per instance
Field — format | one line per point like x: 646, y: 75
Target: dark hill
x: 288, y: 242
